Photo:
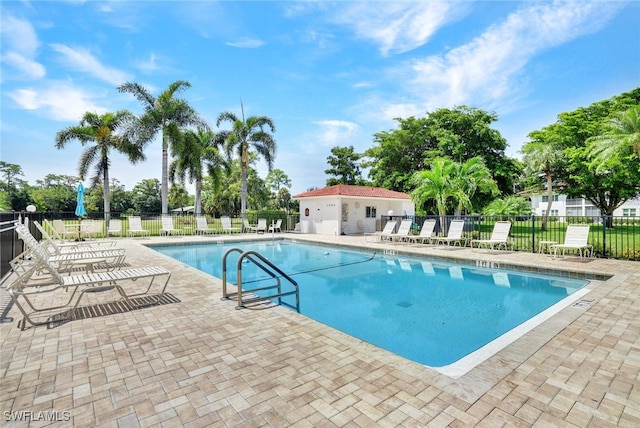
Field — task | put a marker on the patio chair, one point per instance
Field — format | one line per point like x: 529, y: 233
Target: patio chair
x: 455, y: 234
x: 62, y: 232
x: 262, y: 225
x: 202, y: 227
x: 135, y: 227
x: 168, y: 227
x: 426, y: 232
x: 226, y: 225
x: 499, y: 236
x: 27, y: 288
x: 115, y: 227
x: 276, y: 227
x: 248, y: 226
x: 91, y: 229
x: 577, y: 238
x: 384, y: 234
x: 404, y: 230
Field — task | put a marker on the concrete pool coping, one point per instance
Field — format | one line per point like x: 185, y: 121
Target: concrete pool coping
x: 203, y: 362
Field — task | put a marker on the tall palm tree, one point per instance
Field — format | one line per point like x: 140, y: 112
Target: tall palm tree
x: 244, y: 133
x: 192, y: 152
x: 622, y: 136
x: 540, y: 157
x: 101, y: 130
x: 472, y: 176
x: 164, y: 113
x: 439, y: 184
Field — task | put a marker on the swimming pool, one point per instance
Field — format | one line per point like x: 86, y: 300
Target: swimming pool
x: 431, y: 312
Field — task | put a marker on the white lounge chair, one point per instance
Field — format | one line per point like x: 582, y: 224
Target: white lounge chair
x: 426, y: 232
x: 499, y: 236
x: 262, y: 225
x: 168, y: 228
x: 276, y: 227
x: 454, y: 236
x: 577, y: 238
x: 226, y: 225
x: 26, y: 287
x: 135, y: 227
x: 61, y: 232
x: 404, y: 230
x: 202, y: 227
x: 384, y: 234
x: 115, y: 227
x: 248, y: 226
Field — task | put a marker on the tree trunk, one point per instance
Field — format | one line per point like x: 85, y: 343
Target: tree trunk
x: 164, y: 186
x: 243, y: 186
x: 106, y: 192
x: 549, y: 202
x: 198, y: 201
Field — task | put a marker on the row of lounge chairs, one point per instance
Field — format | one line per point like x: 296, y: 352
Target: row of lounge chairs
x: 49, y: 279
x: 90, y: 228
x: 576, y: 238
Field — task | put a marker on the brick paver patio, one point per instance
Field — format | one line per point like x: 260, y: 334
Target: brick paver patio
x: 201, y: 362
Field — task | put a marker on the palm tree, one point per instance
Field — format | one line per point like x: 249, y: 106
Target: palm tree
x: 164, y: 113
x: 245, y: 133
x: 101, y: 129
x: 540, y: 157
x: 472, y: 176
x: 622, y: 136
x: 437, y: 183
x: 191, y: 151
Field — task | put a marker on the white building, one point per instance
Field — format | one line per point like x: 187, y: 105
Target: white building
x: 347, y: 209
x: 563, y: 206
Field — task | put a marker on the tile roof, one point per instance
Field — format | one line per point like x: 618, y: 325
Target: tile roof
x: 357, y: 191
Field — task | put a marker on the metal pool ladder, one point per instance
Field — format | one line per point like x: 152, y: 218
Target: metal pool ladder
x: 269, y: 268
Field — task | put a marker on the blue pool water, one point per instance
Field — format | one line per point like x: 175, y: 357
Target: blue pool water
x: 430, y: 312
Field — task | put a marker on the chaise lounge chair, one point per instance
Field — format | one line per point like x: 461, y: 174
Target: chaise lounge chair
x: 384, y: 234
x: 499, y: 236
x: 168, y: 228
x: 425, y: 233
x: 577, y: 238
x: 226, y: 225
x: 454, y: 235
x: 403, y: 232
x: 28, y: 288
x: 202, y: 227
x: 135, y: 227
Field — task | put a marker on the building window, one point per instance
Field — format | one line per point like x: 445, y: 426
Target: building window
x: 553, y: 213
x: 370, y: 212
x: 546, y: 198
x: 628, y: 212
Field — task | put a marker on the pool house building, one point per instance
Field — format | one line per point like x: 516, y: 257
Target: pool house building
x: 347, y: 209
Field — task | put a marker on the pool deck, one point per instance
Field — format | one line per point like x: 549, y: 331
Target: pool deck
x: 200, y: 362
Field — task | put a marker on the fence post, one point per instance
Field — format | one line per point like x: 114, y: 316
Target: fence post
x: 604, y: 235
x: 533, y: 233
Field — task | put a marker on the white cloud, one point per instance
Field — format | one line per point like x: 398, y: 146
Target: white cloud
x: 246, y: 43
x: 59, y: 100
x: 82, y: 60
x: 20, y: 47
x: 399, y: 26
x: 336, y: 132
x: 487, y: 70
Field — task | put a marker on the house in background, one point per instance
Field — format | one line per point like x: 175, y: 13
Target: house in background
x: 563, y: 206
x: 346, y: 209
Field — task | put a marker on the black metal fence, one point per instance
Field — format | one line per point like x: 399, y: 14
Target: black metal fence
x: 611, y: 237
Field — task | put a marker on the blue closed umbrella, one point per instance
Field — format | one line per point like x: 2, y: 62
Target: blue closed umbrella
x: 80, y: 211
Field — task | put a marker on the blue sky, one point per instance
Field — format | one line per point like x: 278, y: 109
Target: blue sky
x: 327, y: 73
